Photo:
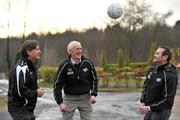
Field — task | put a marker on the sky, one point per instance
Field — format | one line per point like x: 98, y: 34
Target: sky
x: 42, y: 16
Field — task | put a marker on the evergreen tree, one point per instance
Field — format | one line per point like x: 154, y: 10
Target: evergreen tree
x: 120, y: 58
x: 103, y: 59
x: 127, y: 57
x: 152, y: 50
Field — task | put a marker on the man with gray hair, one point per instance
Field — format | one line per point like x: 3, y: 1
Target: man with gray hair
x: 78, y: 78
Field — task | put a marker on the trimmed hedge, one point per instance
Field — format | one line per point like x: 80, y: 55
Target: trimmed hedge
x: 138, y: 64
x: 48, y: 74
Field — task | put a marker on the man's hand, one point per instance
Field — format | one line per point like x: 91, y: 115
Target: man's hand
x: 144, y: 109
x: 63, y: 108
x: 93, y: 99
x: 40, y: 92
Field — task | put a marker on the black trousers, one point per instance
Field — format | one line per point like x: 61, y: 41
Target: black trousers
x: 162, y: 115
x: 22, y: 115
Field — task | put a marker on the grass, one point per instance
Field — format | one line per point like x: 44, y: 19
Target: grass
x: 50, y: 85
x: 109, y: 80
x: 45, y: 84
x: 3, y: 102
x: 120, y: 89
x: 114, y: 80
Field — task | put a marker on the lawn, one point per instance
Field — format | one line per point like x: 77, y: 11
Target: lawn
x: 3, y: 102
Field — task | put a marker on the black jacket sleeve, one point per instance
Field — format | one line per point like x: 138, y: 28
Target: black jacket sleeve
x: 142, y: 99
x: 94, y: 79
x: 143, y: 92
x: 58, y: 84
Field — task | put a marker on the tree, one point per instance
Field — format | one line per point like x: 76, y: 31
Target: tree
x: 120, y: 58
x: 103, y: 58
x: 127, y: 58
x: 8, y: 40
x: 115, y: 37
x: 136, y: 14
x: 25, y: 20
x: 176, y: 31
x: 151, y: 53
x: 175, y: 55
x: 158, y: 22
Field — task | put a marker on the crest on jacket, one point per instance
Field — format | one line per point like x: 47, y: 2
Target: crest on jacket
x: 85, y: 69
x: 70, y: 71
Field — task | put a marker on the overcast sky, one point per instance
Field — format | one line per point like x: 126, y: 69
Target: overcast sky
x: 163, y: 6
x: 59, y: 15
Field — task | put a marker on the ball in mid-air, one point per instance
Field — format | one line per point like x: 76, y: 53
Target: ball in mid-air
x: 115, y: 10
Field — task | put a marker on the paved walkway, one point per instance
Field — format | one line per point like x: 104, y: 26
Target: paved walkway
x: 176, y: 109
x: 4, y: 115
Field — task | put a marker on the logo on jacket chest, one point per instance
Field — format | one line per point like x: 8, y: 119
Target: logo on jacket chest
x: 85, y: 69
x: 70, y: 71
x: 158, y: 79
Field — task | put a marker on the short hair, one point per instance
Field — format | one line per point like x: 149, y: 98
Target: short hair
x: 167, y: 52
x: 28, y: 45
x: 71, y: 45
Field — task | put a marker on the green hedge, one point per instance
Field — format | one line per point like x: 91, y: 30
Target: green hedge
x: 48, y: 74
x: 126, y: 69
x: 111, y: 68
x: 138, y: 64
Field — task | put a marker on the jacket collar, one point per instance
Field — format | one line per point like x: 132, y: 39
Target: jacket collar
x: 161, y: 67
x: 29, y: 63
x: 167, y: 67
x: 69, y: 58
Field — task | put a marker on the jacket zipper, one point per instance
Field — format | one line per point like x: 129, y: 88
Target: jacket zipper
x: 77, y: 70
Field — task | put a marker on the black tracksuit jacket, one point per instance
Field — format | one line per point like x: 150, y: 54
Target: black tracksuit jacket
x: 22, y: 94
x: 75, y: 81
x: 160, y: 87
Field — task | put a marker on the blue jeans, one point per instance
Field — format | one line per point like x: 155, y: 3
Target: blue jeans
x: 162, y: 115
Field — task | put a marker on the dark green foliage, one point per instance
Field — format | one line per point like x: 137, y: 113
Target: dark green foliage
x: 175, y: 55
x: 111, y: 69
x: 152, y: 51
x: 146, y: 69
x: 120, y: 58
x: 127, y: 58
x: 138, y: 64
x: 48, y: 74
x: 103, y: 59
x: 126, y: 69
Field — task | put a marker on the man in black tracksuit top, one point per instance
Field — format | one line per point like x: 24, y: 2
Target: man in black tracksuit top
x: 23, y: 90
x: 159, y: 87
x: 77, y: 77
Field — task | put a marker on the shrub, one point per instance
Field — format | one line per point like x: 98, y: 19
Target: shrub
x: 111, y: 69
x: 139, y: 71
x: 120, y: 58
x: 138, y: 65
x: 127, y: 57
x: 126, y: 69
x: 98, y: 69
x: 48, y: 74
x: 146, y: 69
x: 103, y: 59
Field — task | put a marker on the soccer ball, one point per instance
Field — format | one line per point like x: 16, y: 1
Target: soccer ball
x: 115, y: 10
